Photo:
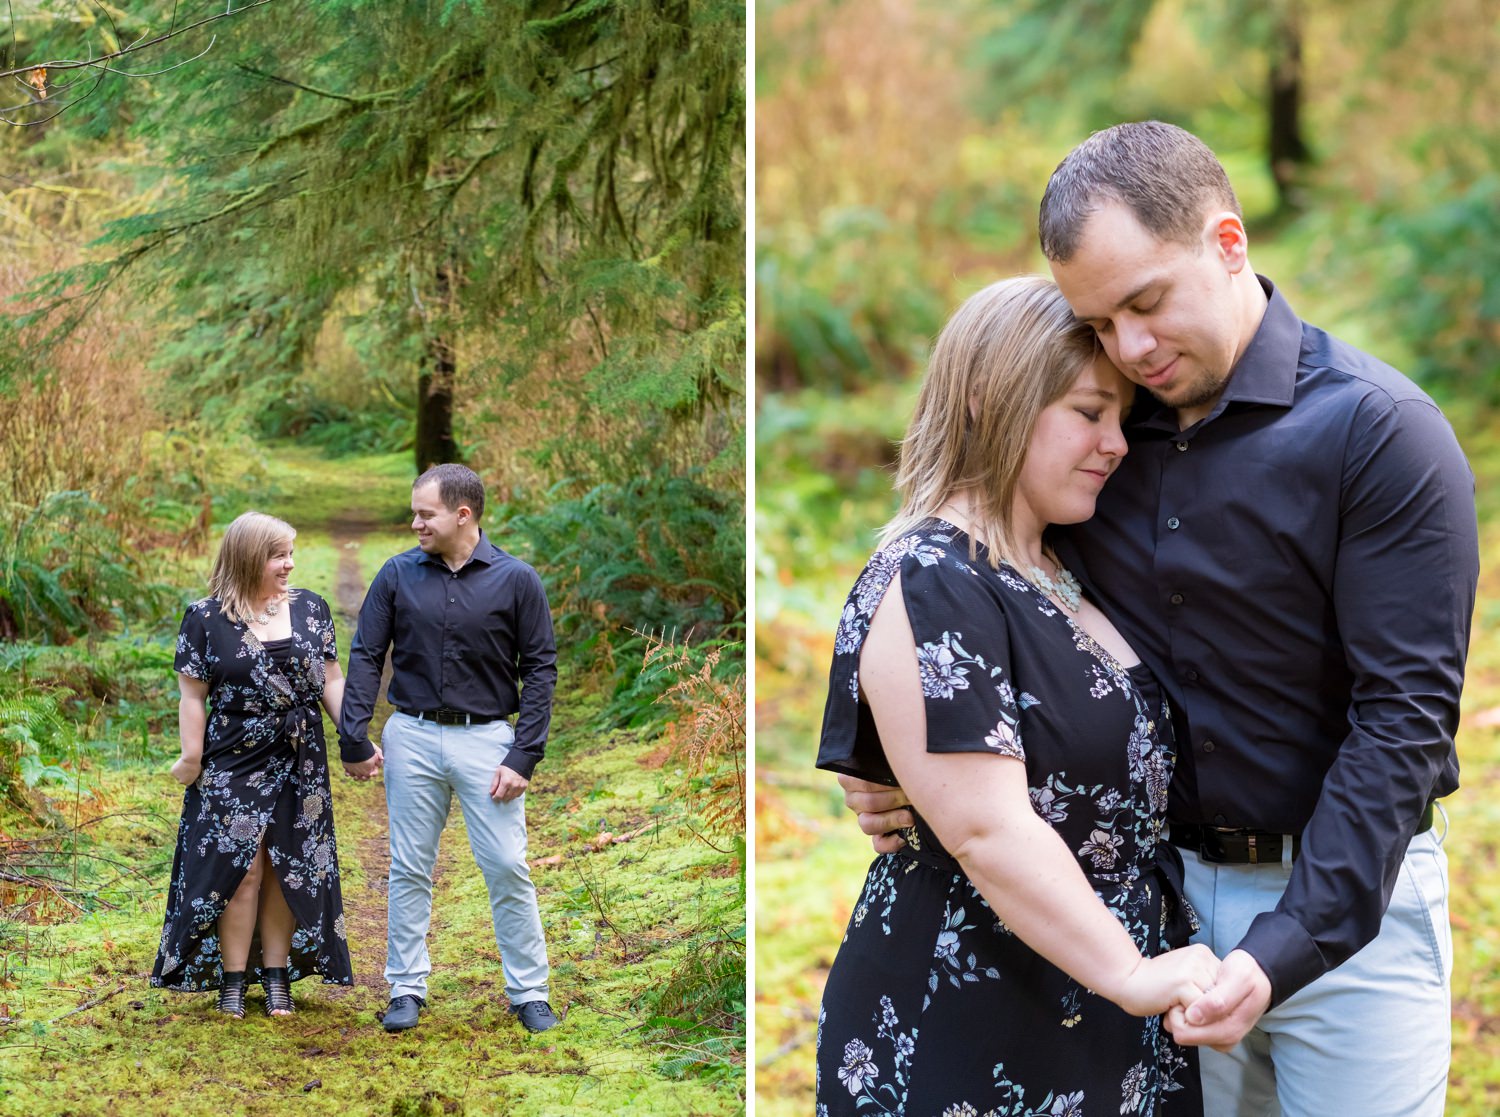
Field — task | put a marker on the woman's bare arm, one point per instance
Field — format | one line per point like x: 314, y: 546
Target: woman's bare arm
x: 980, y: 808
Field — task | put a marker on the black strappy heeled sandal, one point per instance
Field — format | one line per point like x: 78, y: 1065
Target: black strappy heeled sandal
x: 278, y: 992
x: 232, y: 994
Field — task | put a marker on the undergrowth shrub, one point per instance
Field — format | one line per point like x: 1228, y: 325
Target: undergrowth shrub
x: 67, y: 566
x: 1445, y: 302
x: 91, y: 477
x: 656, y: 553
x: 698, y: 1014
x: 72, y: 412
x: 33, y: 732
x: 706, y: 731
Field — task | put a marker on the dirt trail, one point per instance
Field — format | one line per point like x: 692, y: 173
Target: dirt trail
x: 359, y: 808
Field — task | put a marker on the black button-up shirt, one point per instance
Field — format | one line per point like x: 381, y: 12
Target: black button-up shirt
x: 477, y: 640
x: 1299, y: 568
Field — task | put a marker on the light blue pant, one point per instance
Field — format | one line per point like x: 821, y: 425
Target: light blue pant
x: 1371, y: 1037
x: 426, y: 765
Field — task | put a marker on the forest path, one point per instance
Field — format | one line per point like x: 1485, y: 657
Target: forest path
x: 359, y: 806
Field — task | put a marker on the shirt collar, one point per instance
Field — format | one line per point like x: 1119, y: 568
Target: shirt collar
x: 1266, y: 372
x: 485, y: 552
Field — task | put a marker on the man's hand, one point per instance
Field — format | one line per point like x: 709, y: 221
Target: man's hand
x: 365, y: 769
x: 880, y: 809
x: 1225, y: 1014
x: 508, y: 784
x: 186, y: 771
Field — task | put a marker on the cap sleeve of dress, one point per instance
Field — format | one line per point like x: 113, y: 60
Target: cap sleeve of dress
x: 322, y: 626
x: 962, y: 657
x: 957, y: 615
x: 193, y: 655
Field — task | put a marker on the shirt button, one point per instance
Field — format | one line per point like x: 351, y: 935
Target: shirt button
x: 1209, y: 746
x: 1220, y: 820
x: 1182, y: 446
x: 452, y: 600
x: 1190, y: 675
x: 1175, y: 599
x: 1174, y: 523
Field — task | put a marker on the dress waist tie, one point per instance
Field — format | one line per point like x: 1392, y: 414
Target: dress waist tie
x: 297, y: 723
x: 1171, y: 878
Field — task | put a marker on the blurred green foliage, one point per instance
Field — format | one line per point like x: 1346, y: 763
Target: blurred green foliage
x: 661, y: 554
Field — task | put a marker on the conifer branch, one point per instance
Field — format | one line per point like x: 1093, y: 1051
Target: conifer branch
x: 133, y: 48
x: 36, y: 75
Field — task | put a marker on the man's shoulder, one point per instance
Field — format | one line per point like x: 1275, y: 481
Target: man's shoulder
x: 1352, y: 373
x: 501, y: 559
x: 403, y: 560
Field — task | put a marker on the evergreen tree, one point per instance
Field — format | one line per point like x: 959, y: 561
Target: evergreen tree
x: 565, y: 174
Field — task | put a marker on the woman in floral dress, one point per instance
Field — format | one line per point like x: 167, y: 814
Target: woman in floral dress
x: 1015, y: 956
x: 255, y: 850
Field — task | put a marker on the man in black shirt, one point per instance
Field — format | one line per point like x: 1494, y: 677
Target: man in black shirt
x: 1291, y: 545
x: 470, y: 635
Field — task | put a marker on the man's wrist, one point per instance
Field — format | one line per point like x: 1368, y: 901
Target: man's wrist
x: 523, y: 764
x: 1285, y: 953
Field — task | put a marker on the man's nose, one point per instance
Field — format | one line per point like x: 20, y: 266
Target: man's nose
x: 1135, y: 341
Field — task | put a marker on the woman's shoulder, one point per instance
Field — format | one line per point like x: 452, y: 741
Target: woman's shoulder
x: 205, y: 608
x: 310, y: 600
x: 937, y: 551
x: 923, y: 547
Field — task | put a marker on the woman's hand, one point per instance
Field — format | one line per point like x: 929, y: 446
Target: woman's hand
x: 1178, y: 977
x: 187, y: 770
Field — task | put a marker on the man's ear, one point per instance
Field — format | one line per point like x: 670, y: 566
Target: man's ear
x: 465, y: 513
x: 1226, y: 232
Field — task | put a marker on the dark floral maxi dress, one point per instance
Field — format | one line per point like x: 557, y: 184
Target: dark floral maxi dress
x: 933, y: 1007
x: 265, y: 776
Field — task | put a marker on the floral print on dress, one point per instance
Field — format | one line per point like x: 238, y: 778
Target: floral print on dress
x: 859, y: 1070
x: 264, y: 780
x: 932, y: 1005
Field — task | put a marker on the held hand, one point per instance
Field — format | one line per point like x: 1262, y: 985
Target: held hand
x: 365, y: 769
x: 1179, y: 977
x: 1226, y: 1012
x: 508, y: 784
x: 881, y: 810
x: 186, y: 771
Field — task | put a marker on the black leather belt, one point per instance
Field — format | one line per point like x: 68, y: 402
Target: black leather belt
x: 447, y: 717
x: 1232, y: 845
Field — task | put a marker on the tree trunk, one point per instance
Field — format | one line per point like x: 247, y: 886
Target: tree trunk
x: 1286, y: 150
x: 435, y: 442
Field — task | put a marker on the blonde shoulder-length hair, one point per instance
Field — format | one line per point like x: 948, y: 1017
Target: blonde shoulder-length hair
x: 1008, y: 352
x: 248, y: 544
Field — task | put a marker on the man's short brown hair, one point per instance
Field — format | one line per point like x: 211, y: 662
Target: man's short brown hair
x: 457, y: 484
x: 1165, y: 176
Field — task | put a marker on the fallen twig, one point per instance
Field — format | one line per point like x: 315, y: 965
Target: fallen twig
x: 99, y: 1000
x: 598, y: 842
